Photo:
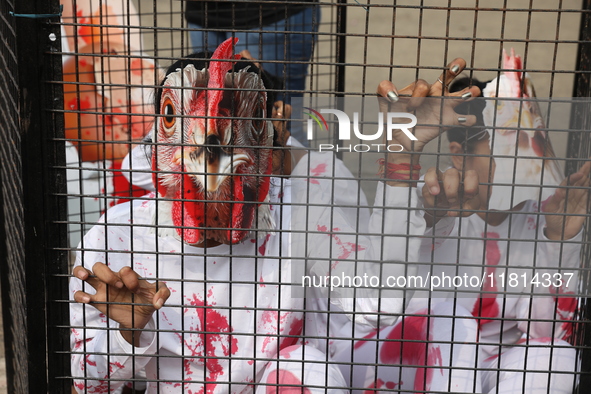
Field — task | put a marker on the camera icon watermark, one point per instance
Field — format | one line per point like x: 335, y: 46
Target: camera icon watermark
x: 386, y: 122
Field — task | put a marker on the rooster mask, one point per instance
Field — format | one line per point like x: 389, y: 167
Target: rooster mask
x: 520, y: 145
x: 212, y: 158
x: 526, y: 150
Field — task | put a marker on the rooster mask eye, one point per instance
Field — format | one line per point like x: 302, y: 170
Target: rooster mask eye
x: 169, y: 118
x: 258, y: 121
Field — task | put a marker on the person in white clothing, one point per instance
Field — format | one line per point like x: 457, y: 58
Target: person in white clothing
x: 508, y: 330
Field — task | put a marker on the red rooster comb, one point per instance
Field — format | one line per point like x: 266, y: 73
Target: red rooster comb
x: 217, y: 77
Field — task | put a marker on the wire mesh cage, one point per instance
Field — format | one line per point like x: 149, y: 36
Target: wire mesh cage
x: 186, y: 191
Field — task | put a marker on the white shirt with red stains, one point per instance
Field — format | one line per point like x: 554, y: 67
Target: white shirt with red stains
x: 232, y: 309
x: 516, y: 254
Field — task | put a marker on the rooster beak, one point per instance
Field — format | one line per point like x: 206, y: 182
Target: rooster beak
x: 208, y: 163
x: 213, y: 157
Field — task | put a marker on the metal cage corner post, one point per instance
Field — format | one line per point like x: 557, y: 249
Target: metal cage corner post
x: 31, y: 187
x: 582, y: 85
x: 578, y: 140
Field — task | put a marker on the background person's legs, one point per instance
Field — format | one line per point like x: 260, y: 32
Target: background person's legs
x: 285, y: 55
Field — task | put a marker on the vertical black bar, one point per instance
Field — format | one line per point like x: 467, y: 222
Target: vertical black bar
x: 576, y: 148
x: 6, y: 296
x: 56, y: 207
x: 11, y: 205
x: 31, y: 269
x: 341, y: 47
x: 340, y: 59
x: 582, y: 86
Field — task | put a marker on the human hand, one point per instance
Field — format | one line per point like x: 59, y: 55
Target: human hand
x: 450, y: 193
x: 565, y: 210
x: 122, y: 296
x: 245, y: 54
x: 284, y: 157
x: 281, y: 115
x: 431, y: 112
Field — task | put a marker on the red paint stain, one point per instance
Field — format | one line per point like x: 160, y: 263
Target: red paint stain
x: 89, y: 362
x: 375, y: 385
x: 434, y: 357
x: 79, y: 105
x: 102, y: 386
x: 317, y: 171
x: 136, y: 67
x: 263, y: 247
x: 215, y: 340
x: 320, y: 169
x: 565, y: 310
x: 408, y: 344
x: 276, y: 324
x: 391, y: 385
x: 486, y: 305
x: 346, y: 248
x: 279, y: 377
x: 269, y: 317
x: 187, y: 368
x: 296, y: 330
x: 116, y: 119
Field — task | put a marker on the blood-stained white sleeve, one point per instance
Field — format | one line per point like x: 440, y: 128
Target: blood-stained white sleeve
x: 136, y: 167
x: 343, y: 246
x: 555, y: 281
x: 102, y: 360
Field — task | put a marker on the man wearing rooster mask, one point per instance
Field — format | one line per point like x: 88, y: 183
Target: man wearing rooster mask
x: 194, y: 284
